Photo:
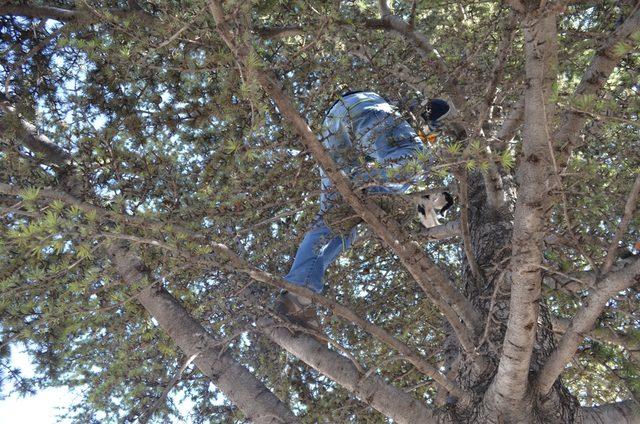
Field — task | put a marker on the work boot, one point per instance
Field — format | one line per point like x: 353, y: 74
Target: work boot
x: 298, y: 310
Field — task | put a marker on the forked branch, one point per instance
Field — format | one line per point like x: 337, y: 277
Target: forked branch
x: 584, y: 321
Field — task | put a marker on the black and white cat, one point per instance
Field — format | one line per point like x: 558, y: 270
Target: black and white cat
x: 431, y: 205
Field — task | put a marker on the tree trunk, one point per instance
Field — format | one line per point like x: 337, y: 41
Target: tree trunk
x: 491, y: 232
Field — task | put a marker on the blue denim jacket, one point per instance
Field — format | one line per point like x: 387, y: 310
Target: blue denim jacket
x: 363, y: 127
x: 359, y: 127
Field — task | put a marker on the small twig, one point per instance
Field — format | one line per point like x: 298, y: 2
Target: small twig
x: 173, y: 37
x: 315, y: 40
x: 385, y: 362
x: 343, y: 350
x: 241, y: 289
x: 141, y: 240
x: 412, y: 15
x: 29, y: 55
x: 464, y: 225
x: 600, y: 117
x: 417, y: 386
x: 563, y: 195
x: 224, y: 343
x: 567, y: 276
x: 494, y: 295
x: 152, y: 409
x: 12, y: 209
x: 269, y: 220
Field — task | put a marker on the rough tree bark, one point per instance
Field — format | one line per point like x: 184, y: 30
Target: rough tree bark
x: 384, y: 397
x: 509, y: 388
x: 242, y: 388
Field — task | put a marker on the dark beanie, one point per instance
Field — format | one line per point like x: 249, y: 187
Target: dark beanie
x: 435, y: 109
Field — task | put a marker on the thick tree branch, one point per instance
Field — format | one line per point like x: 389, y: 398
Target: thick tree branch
x: 234, y: 380
x: 77, y: 15
x: 512, y: 122
x: 604, y: 61
x: 29, y: 135
x: 510, y: 385
x: 493, y: 182
x: 279, y: 32
x: 384, y: 397
x: 602, y: 334
x: 442, y: 231
x: 584, y: 321
x: 42, y: 12
x: 627, y: 412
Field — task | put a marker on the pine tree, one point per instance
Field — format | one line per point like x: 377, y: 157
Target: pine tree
x: 159, y: 163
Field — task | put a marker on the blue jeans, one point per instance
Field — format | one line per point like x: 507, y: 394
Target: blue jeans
x: 360, y: 127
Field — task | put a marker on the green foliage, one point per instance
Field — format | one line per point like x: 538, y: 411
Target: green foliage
x: 30, y: 194
x: 621, y: 48
x: 506, y: 159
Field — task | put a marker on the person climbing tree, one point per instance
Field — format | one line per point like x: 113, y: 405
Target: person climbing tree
x: 360, y: 128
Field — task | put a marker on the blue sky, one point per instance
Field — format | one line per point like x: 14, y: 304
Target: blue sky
x: 42, y: 408
x: 45, y: 406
